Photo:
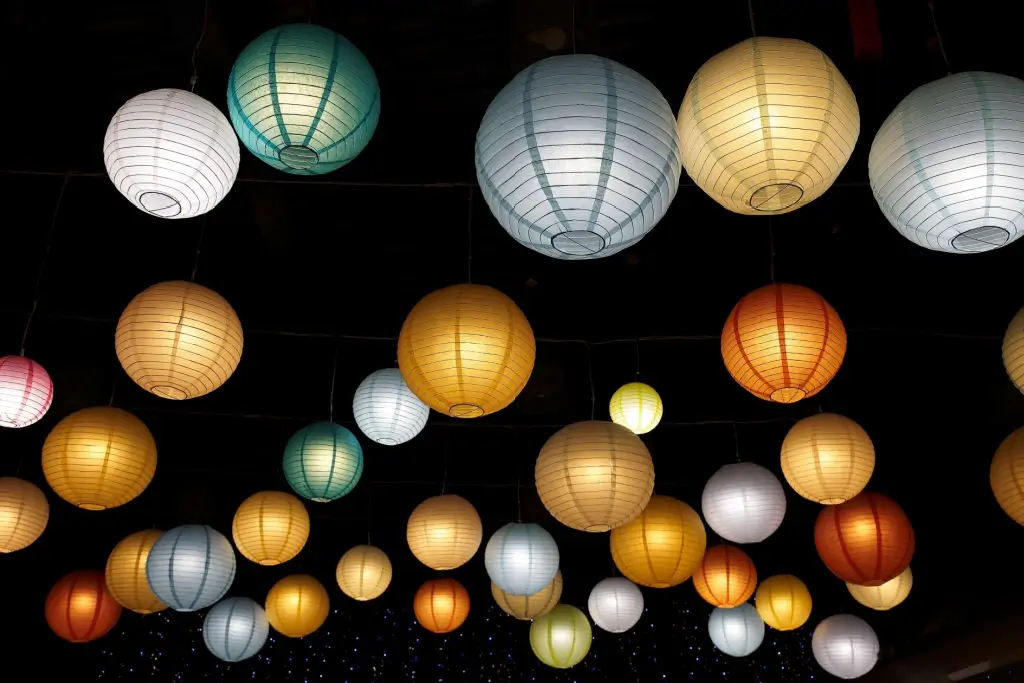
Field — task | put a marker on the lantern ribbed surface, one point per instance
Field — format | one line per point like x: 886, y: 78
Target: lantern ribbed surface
x: 26, y: 391
x: 743, y: 503
x: 323, y: 462
x: 578, y: 157
x: 235, y: 629
x: 827, y: 458
x: 736, y: 632
x: 1013, y: 350
x: 945, y: 165
x: 386, y: 410
x: 726, y: 577
x: 783, y: 602
x: 637, y: 407
x: 444, y: 532
x: 615, y: 604
x: 767, y: 125
x: 663, y: 546
x: 845, y: 646
x: 126, y: 572
x: 562, y: 637
x: 190, y: 567
x: 297, y: 605
x: 466, y: 350
x: 1006, y: 475
x: 24, y: 513
x: 521, y: 558
x: 363, y: 572
x: 303, y: 99
x: 594, y: 475
x: 179, y: 340
x: 441, y: 605
x: 529, y: 607
x: 783, y: 343
x: 270, y: 527
x: 890, y: 594
x: 79, y: 608
x: 867, y: 540
x: 171, y: 153
x: 99, y: 458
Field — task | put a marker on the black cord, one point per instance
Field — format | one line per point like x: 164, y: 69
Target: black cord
x: 195, y: 51
x: 42, y: 262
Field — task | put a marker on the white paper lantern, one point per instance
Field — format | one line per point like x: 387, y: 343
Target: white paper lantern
x: 235, y: 629
x: 736, y: 631
x: 26, y: 391
x: 190, y: 567
x: 845, y: 646
x: 743, y: 503
x: 171, y: 153
x: 386, y: 410
x: 578, y: 157
x: 945, y: 167
x: 521, y: 558
x: 616, y: 604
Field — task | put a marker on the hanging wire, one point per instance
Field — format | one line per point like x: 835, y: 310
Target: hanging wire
x: 113, y: 383
x: 736, y: 440
x: 312, y: 8
x: 42, y: 262
x: 938, y: 37
x: 334, y: 379
x: 771, y: 247
x: 444, y: 475
x: 750, y: 11
x: 199, y: 248
x: 519, y: 498
x: 590, y: 375
x: 637, y: 377
x: 195, y: 51
x: 469, y: 238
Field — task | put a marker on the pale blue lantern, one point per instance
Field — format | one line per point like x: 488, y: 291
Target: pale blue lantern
x: 521, y: 559
x: 736, y: 631
x: 323, y: 462
x: 190, y: 567
x: 235, y: 629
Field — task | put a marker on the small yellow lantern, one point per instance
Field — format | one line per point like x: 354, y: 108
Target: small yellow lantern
x: 444, y: 532
x: 637, y: 407
x: 126, y: 573
x: 783, y: 602
x: 23, y: 514
x: 663, y: 546
x: 364, y: 572
x: 884, y: 597
x: 270, y: 527
x: 297, y: 605
x: 1006, y: 475
x: 827, y: 458
x: 561, y: 638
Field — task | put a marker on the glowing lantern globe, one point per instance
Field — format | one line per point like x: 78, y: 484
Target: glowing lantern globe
x: 663, y: 546
x: 26, y: 391
x: 270, y: 527
x: 827, y: 458
x: 736, y: 632
x: 1006, y: 475
x: 783, y: 602
x: 235, y: 629
x: 444, y: 532
x: 521, y: 558
x: 363, y: 572
x: 845, y: 646
x: 24, y: 513
x: 615, y: 604
x: 190, y: 567
x: 637, y: 407
x: 529, y: 607
x: 743, y: 503
x: 126, y: 573
x: 386, y: 411
x: 79, y: 608
x: 867, y: 540
x: 1013, y: 350
x: 441, y: 605
x: 323, y: 462
x: 884, y: 597
x: 726, y: 577
x: 297, y: 605
x: 561, y: 638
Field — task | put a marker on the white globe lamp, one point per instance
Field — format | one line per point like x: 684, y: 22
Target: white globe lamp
x: 616, y: 604
x: 386, y: 410
x: 845, y: 646
x: 190, y: 567
x: 521, y: 559
x: 743, y: 503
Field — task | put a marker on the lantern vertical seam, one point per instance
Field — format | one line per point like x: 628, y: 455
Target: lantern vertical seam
x: 327, y: 89
x: 272, y: 86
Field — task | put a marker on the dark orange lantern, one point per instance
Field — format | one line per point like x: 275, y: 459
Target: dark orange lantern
x: 441, y: 605
x: 79, y: 607
x: 866, y: 541
x: 726, y: 577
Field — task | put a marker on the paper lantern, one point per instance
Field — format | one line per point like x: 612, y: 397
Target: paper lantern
x: 521, y: 558
x: 323, y: 462
x: 386, y: 411
x: 24, y: 513
x: 26, y: 391
x: 99, y: 458
x: 867, y: 540
x: 637, y: 407
x: 1006, y: 475
x: 235, y: 629
x: 79, y: 608
x: 466, y: 350
x: 529, y: 607
x: 578, y: 157
x: 303, y: 99
x: 363, y: 572
x: 297, y: 605
x: 726, y: 577
x: 783, y: 602
x: 270, y: 527
x: 126, y: 573
x: 615, y: 604
x: 884, y: 597
x: 945, y: 165
x: 767, y: 125
x: 444, y: 532
x: 736, y: 632
x: 441, y: 605
x: 179, y: 340
x: 594, y: 476
x: 743, y: 503
x: 190, y: 567
x: 1013, y: 350
x: 561, y: 638
x: 827, y: 458
x: 845, y: 646
x: 663, y: 546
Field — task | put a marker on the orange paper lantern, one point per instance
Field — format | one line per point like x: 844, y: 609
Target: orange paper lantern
x: 663, y: 546
x: 867, y: 540
x: 726, y: 577
x: 441, y: 605
x: 297, y: 605
x: 1006, y: 475
x: 79, y: 608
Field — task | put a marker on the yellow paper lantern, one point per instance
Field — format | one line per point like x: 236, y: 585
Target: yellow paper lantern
x: 827, y: 458
x: 444, y: 532
x: 528, y: 607
x: 441, y: 605
x: 270, y: 527
x: 24, y: 513
x: 99, y: 458
x: 363, y: 573
x: 466, y: 350
x: 637, y: 407
x: 594, y: 476
x: 562, y: 637
x: 1013, y: 350
x: 126, y: 573
x: 783, y: 602
x: 663, y: 546
x: 297, y: 605
x: 179, y: 340
x: 1006, y: 475
x: 884, y: 597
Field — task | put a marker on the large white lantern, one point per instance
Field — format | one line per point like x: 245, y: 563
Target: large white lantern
x: 736, y: 631
x: 386, y: 410
x: 190, y: 567
x: 521, y: 558
x: 845, y: 646
x: 616, y: 604
x: 945, y: 166
x: 743, y: 503
x: 578, y: 157
x: 171, y: 153
x: 235, y: 629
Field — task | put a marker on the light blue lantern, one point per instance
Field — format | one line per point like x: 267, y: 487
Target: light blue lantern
x: 303, y: 99
x: 736, y: 631
x: 521, y: 559
x: 323, y: 462
x: 235, y: 629
x: 190, y: 567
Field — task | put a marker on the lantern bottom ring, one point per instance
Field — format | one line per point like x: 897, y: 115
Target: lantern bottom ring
x: 578, y: 243
x: 321, y: 500
x: 299, y: 157
x: 787, y: 395
x: 465, y: 410
x: 776, y: 197
x: 159, y: 204
x: 92, y: 506
x: 981, y: 239
x: 172, y: 393
x: 597, y: 528
x: 387, y: 441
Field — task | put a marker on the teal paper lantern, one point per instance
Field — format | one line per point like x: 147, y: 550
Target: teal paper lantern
x: 303, y: 99
x: 323, y: 462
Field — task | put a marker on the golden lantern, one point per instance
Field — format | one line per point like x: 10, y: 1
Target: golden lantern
x: 867, y: 540
x: 1006, y: 475
x: 528, y: 607
x: 783, y: 602
x: 466, y: 350
x: 79, y: 608
x: 663, y: 546
x: 441, y: 605
x: 444, y: 532
x: 1013, y: 350
x: 179, y: 340
x: 827, y: 458
x: 637, y: 407
x: 297, y: 605
x: 562, y: 637
x: 884, y: 597
x: 594, y: 475
x: 126, y: 573
x: 363, y: 573
x: 767, y: 125
x: 270, y: 527
x: 99, y: 458
x: 783, y: 343
x: 726, y: 577
x: 24, y: 513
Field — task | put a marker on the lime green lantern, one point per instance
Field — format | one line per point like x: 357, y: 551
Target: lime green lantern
x: 323, y: 462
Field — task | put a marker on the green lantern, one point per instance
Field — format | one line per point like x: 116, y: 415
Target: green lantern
x: 323, y: 462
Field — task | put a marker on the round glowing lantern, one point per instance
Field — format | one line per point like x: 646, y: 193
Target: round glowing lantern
x: 126, y: 573
x: 99, y: 458
x: 663, y: 546
x: 24, y: 513
x: 845, y: 646
x: 444, y: 532
x: 1013, y: 350
x: 323, y: 462
x: 726, y: 577
x: 736, y: 632
x: 26, y: 391
x: 235, y: 629
x: 743, y: 503
x: 386, y: 411
x: 303, y: 99
x: 637, y: 407
x: 270, y: 527
x: 783, y: 602
x: 171, y: 153
x: 441, y: 605
x: 521, y: 558
x: 1006, y: 475
x: 827, y: 458
x: 79, y: 608
x: 363, y: 572
x: 297, y: 605
x: 884, y: 597
x: 190, y: 567
x: 529, y: 607
x: 615, y: 604
x: 867, y: 540
x: 561, y: 638
x: 594, y: 476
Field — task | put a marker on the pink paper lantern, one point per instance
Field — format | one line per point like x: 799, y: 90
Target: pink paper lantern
x: 26, y: 391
